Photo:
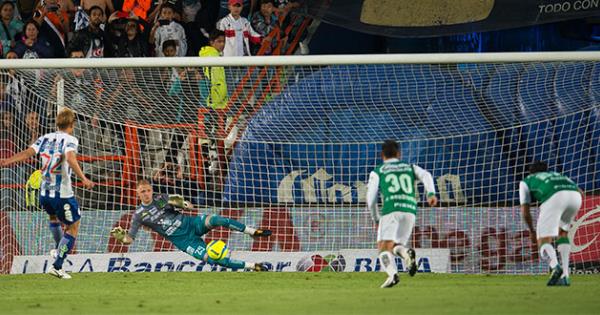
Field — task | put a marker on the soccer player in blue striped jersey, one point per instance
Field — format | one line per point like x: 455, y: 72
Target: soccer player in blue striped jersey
x: 159, y: 213
x: 58, y: 153
x: 396, y: 180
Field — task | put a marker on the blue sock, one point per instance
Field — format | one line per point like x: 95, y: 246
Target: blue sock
x: 65, y: 246
x: 231, y: 224
x: 228, y: 262
x: 56, y: 232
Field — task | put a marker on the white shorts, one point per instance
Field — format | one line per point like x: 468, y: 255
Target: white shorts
x: 558, y: 212
x: 396, y: 226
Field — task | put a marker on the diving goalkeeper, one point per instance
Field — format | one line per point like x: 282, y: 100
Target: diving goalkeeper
x: 159, y: 213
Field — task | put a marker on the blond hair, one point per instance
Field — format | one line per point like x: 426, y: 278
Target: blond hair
x: 142, y: 182
x: 65, y: 119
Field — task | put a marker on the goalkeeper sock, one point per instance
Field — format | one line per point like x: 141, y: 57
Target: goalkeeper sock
x: 564, y: 248
x: 388, y: 263
x: 548, y: 253
x: 231, y: 224
x: 65, y: 246
x: 56, y: 231
x: 229, y: 263
x: 401, y: 251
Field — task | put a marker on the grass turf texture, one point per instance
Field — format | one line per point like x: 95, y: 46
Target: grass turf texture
x: 293, y: 293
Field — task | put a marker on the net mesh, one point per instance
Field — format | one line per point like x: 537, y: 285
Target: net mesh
x: 292, y: 148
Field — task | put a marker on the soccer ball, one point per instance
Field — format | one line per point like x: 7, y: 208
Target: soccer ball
x: 217, y: 249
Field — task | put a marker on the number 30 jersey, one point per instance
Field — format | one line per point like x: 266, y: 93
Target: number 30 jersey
x: 396, y: 181
x: 56, y: 172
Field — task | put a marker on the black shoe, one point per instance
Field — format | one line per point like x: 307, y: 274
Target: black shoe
x: 262, y: 233
x: 556, y: 274
x: 259, y: 267
x: 391, y: 281
x: 412, y: 262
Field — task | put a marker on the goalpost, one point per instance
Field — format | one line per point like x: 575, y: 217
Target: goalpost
x: 292, y: 146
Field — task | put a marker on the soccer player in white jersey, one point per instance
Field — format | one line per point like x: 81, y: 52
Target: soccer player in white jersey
x: 559, y: 199
x: 58, y: 153
x: 397, y: 218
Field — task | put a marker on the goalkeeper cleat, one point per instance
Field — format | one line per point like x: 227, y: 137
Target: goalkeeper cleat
x: 555, y: 276
x: 59, y: 273
x: 262, y: 233
x: 411, y: 262
x: 260, y: 267
x: 391, y: 281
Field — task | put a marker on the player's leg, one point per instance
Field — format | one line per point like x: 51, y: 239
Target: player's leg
x: 54, y: 225
x: 547, y: 229
x: 405, y: 227
x: 385, y: 244
x: 56, y: 230
x: 213, y: 221
x: 68, y: 212
x: 197, y: 248
x: 563, y: 245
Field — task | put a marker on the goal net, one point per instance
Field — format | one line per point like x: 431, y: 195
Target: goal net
x: 288, y: 144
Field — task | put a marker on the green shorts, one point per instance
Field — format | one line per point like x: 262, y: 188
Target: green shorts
x: 188, y: 237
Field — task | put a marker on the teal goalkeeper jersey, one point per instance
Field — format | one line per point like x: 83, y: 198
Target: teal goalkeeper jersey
x: 397, y: 187
x: 543, y: 185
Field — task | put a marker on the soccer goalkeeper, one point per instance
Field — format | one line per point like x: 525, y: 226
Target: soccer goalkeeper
x: 159, y: 213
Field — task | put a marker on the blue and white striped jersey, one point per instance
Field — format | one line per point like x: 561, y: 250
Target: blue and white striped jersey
x: 56, y: 172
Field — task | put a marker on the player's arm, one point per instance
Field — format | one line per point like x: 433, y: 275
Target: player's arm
x: 427, y: 180
x: 525, y: 200
x: 372, y: 192
x: 21, y: 156
x: 72, y: 160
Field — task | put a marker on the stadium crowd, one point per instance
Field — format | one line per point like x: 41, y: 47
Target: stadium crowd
x: 139, y: 28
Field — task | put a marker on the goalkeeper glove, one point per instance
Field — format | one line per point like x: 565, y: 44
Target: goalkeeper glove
x: 118, y: 233
x: 178, y: 201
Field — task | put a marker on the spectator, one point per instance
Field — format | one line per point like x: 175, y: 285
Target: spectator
x: 8, y: 143
x: 190, y: 9
x: 214, y: 77
x: 138, y: 7
x: 105, y: 5
x: 33, y: 45
x: 264, y: 22
x: 92, y: 39
x: 11, y: 26
x: 11, y: 54
x: 247, y: 8
x: 205, y: 22
x: 53, y: 24
x: 34, y: 128
x: 78, y: 85
x: 165, y: 29
x: 26, y: 9
x: 126, y: 37
x: 169, y: 48
x: 238, y: 32
x: 6, y: 100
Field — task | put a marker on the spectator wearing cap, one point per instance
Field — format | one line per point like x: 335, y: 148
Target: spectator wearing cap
x: 11, y: 26
x: 125, y: 35
x: 238, y: 31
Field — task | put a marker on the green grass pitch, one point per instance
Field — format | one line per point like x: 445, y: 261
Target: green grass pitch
x: 294, y: 293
